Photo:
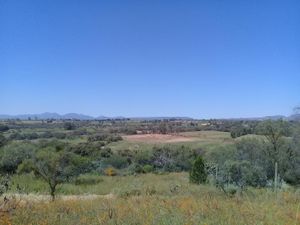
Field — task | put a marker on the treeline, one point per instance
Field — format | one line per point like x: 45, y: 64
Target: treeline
x: 236, y: 127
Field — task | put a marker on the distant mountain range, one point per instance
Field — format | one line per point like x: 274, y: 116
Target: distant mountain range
x: 76, y: 116
x: 294, y: 117
x: 56, y: 116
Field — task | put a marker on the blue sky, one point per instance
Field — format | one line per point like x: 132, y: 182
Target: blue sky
x: 204, y: 59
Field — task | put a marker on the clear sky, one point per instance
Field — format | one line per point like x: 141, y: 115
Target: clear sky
x: 204, y: 59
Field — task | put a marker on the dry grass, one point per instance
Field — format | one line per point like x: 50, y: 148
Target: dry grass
x: 162, y: 199
x: 206, y: 208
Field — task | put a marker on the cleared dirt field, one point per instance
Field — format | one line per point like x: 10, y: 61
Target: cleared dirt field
x: 157, y: 138
x: 181, y: 137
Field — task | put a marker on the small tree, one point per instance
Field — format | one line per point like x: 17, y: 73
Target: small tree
x: 274, y: 132
x: 198, y: 173
x: 55, y: 168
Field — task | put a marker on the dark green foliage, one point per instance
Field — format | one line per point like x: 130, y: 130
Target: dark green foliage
x: 5, y: 184
x: 242, y: 174
x: 240, y: 130
x: 12, y: 155
x: 3, y: 140
x: 69, y: 126
x: 3, y: 128
x: 93, y: 149
x: 116, y: 161
x: 198, y: 174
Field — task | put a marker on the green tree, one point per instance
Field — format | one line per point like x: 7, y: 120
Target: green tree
x: 55, y: 167
x: 274, y: 131
x: 198, y: 173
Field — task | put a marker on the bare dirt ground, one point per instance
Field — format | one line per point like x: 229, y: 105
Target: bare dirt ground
x: 158, y: 138
x: 41, y: 197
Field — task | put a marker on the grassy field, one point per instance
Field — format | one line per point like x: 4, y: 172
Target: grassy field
x: 160, y: 199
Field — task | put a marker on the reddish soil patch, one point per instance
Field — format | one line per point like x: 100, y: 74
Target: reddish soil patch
x: 157, y: 138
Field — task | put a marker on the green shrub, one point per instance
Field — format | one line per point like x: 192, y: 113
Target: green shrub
x: 13, y: 154
x: 3, y: 140
x: 148, y: 168
x: 116, y: 161
x: 198, y: 173
x: 135, y: 168
x: 25, y: 167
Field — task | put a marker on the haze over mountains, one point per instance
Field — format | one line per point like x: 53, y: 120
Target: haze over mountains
x: 77, y: 116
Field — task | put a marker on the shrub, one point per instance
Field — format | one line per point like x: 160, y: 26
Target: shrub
x: 5, y: 184
x: 26, y: 166
x: 3, y: 140
x: 3, y: 128
x: 91, y: 149
x: 240, y: 174
x: 198, y: 173
x: 148, y: 168
x: 12, y: 155
x: 135, y: 168
x: 110, y: 171
x: 116, y: 161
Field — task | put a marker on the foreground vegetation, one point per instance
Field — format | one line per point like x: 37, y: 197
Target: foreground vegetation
x: 163, y: 199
